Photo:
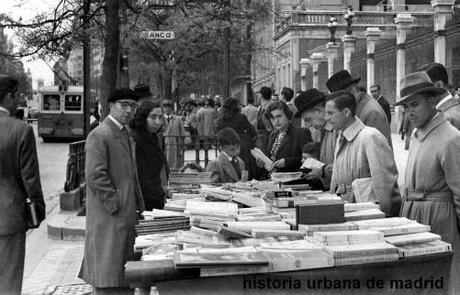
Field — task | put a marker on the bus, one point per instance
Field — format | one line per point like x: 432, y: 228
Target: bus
x: 61, y: 112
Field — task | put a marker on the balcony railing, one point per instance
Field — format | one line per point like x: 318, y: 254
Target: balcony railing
x: 362, y: 19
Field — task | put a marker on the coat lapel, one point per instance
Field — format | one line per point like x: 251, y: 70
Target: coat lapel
x: 117, y: 134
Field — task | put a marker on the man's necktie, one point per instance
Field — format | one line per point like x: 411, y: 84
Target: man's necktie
x: 236, y: 166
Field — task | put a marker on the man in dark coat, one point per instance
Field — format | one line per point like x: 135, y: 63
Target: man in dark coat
x: 377, y: 95
x: 367, y: 109
x: 19, y: 180
x: 113, y: 198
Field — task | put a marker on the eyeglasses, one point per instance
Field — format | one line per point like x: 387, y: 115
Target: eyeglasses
x: 126, y: 105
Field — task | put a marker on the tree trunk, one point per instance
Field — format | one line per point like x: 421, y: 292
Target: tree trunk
x: 110, y: 65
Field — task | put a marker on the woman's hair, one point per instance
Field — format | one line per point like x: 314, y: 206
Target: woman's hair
x: 139, y: 122
x: 193, y: 166
x: 279, y: 105
x: 230, y: 108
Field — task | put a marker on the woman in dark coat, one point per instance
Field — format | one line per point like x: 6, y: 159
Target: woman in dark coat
x: 150, y: 158
x: 286, y: 140
x: 232, y: 117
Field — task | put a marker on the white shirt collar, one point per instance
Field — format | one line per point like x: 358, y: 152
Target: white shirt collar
x: 228, y: 157
x: 119, y: 125
x: 3, y: 110
x: 448, y: 96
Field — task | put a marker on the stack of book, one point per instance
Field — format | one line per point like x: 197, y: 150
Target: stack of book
x: 189, y: 239
x: 162, y: 224
x: 248, y: 198
x: 310, y: 229
x: 364, y: 214
x: 146, y: 241
x: 393, y: 226
x: 220, y: 211
x: 363, y: 253
x: 180, y: 178
x: 353, y: 207
x: 348, y: 237
x: 418, y: 244
x: 295, y: 255
x: 175, y: 205
x: 247, y: 227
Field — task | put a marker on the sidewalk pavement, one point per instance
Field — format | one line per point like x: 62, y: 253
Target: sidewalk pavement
x: 56, y: 270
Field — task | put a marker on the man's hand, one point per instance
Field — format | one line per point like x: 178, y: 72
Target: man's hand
x: 279, y: 164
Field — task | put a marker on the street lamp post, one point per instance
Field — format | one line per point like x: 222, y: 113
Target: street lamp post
x: 332, y: 29
x: 349, y: 15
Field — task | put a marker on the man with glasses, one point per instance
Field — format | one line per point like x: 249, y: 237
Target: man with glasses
x: 19, y: 181
x: 113, y: 198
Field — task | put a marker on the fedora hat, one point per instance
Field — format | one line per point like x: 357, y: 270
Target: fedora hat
x: 142, y: 90
x: 340, y: 81
x: 308, y: 99
x: 415, y: 83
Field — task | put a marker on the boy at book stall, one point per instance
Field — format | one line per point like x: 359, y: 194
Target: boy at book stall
x: 227, y: 167
x: 364, y: 168
x: 311, y: 107
x: 431, y: 193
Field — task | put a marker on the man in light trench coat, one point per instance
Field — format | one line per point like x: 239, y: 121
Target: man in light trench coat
x: 113, y: 198
x: 364, y: 168
x: 431, y: 193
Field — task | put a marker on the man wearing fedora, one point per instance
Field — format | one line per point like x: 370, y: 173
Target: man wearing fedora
x: 311, y: 107
x: 368, y: 109
x: 364, y: 168
x: 431, y: 193
x: 445, y: 102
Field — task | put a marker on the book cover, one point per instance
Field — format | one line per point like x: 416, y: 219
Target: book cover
x: 416, y: 238
x: 427, y: 248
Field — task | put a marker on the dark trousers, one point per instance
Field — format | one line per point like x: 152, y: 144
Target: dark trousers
x: 12, y: 253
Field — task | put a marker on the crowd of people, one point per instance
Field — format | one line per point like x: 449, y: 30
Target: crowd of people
x: 130, y: 153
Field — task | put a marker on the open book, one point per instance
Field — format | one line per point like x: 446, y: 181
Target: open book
x: 258, y: 154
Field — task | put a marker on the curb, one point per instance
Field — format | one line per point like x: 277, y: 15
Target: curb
x: 67, y: 226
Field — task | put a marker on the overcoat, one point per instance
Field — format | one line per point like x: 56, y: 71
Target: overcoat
x: 385, y: 106
x: 371, y: 114
x: 19, y: 174
x: 433, y: 167
x: 207, y: 120
x: 364, y: 153
x: 223, y: 168
x: 451, y: 110
x: 113, y: 198
x: 328, y: 142
x: 174, y: 141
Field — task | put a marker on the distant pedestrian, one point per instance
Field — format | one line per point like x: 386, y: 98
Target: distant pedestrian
x: 367, y: 109
x: 150, y: 158
x: 19, y: 181
x: 287, y: 95
x: 377, y: 95
x: 113, y: 198
x: 250, y: 111
x: 207, y: 120
x: 264, y: 126
x: 174, y: 135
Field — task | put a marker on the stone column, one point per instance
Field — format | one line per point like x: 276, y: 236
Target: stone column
x: 349, y: 44
x: 304, y: 64
x: 442, y: 13
x: 332, y: 53
x: 295, y: 57
x: 316, y: 58
x: 372, y: 36
x: 404, y: 22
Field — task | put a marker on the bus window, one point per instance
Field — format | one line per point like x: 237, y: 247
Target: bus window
x: 51, y: 102
x: 72, y: 102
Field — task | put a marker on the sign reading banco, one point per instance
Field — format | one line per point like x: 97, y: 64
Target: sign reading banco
x: 158, y: 35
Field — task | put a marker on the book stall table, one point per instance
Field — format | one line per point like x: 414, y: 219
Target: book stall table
x: 413, y: 275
